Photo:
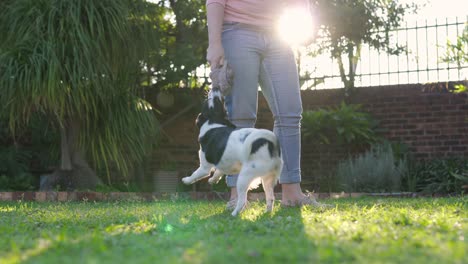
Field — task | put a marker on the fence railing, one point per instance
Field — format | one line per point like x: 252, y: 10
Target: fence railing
x: 426, y: 42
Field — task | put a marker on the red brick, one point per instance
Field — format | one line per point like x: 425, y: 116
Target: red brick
x: 62, y: 196
x: 71, y: 196
x: 23, y: 196
x: 40, y: 196
x: 458, y: 148
x: 51, y: 196
x: 6, y: 196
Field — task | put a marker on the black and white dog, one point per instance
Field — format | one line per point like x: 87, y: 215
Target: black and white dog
x: 252, y: 153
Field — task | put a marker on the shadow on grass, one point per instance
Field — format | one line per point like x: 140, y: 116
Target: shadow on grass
x: 203, y: 232
x: 181, y: 232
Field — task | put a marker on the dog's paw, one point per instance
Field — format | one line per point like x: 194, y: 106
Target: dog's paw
x: 237, y: 211
x: 213, y: 180
x: 187, y: 180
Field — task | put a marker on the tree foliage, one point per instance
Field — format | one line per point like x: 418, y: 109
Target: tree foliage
x: 458, y: 52
x: 78, y: 62
x: 179, y: 43
x: 346, y: 25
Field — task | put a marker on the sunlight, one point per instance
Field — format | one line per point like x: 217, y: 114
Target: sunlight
x: 295, y: 26
x: 41, y: 246
x: 7, y: 208
x: 139, y: 227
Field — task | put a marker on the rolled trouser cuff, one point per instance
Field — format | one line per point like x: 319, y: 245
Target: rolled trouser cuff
x: 231, y: 180
x: 290, y: 177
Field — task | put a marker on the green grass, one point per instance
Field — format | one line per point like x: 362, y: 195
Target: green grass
x: 366, y: 230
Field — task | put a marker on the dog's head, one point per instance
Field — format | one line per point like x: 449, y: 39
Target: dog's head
x: 213, y: 110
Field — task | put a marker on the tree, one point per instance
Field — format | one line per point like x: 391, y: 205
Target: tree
x: 78, y: 62
x: 458, y: 54
x: 179, y: 45
x: 348, y: 24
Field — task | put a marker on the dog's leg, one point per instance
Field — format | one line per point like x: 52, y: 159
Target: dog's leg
x: 200, y: 173
x: 268, y: 183
x: 216, y: 177
x: 246, y: 176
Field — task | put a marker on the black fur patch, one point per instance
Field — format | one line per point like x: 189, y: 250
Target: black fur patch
x: 214, y: 142
x: 257, y: 144
x: 244, y: 136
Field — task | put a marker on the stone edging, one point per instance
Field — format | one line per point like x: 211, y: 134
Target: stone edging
x: 133, y: 196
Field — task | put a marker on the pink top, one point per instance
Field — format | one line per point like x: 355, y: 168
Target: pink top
x: 255, y: 12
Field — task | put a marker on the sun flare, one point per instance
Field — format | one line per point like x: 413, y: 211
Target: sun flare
x: 295, y: 26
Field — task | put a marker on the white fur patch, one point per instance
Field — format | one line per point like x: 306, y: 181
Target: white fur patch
x: 212, y: 94
x: 237, y: 158
x: 239, y: 152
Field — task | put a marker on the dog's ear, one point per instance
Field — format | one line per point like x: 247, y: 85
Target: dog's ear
x: 219, y: 114
x: 228, y: 123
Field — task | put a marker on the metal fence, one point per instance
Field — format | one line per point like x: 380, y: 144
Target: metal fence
x: 426, y: 42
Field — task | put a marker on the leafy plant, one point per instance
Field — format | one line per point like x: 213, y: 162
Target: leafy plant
x: 457, y: 52
x: 376, y: 170
x: 14, y: 160
x: 345, y: 125
x: 80, y: 65
x: 23, y: 181
x: 440, y: 176
x: 177, y: 49
x: 460, y: 88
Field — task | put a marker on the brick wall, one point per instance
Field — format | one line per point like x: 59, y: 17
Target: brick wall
x: 432, y: 124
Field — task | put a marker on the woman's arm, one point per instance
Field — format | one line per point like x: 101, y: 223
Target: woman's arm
x: 215, y: 17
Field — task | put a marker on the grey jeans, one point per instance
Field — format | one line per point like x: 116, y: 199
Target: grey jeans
x: 259, y: 57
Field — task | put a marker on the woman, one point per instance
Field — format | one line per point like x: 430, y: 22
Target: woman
x: 244, y: 33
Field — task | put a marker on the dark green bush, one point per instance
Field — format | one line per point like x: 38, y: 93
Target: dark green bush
x: 29, y: 152
x: 442, y: 176
x: 23, y: 181
x: 344, y: 125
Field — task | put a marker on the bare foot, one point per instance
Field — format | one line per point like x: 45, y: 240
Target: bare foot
x: 231, y: 204
x: 292, y: 195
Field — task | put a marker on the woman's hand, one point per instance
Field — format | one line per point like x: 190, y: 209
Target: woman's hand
x: 215, y: 55
x: 215, y: 18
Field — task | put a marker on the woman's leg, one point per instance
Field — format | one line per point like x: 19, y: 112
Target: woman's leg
x: 280, y: 85
x: 242, y: 53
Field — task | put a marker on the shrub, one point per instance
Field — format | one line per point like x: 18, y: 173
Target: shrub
x: 443, y: 176
x: 31, y: 149
x: 376, y: 170
x: 344, y: 125
x: 23, y: 181
x: 14, y: 160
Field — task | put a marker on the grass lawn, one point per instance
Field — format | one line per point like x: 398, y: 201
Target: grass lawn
x: 364, y: 230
